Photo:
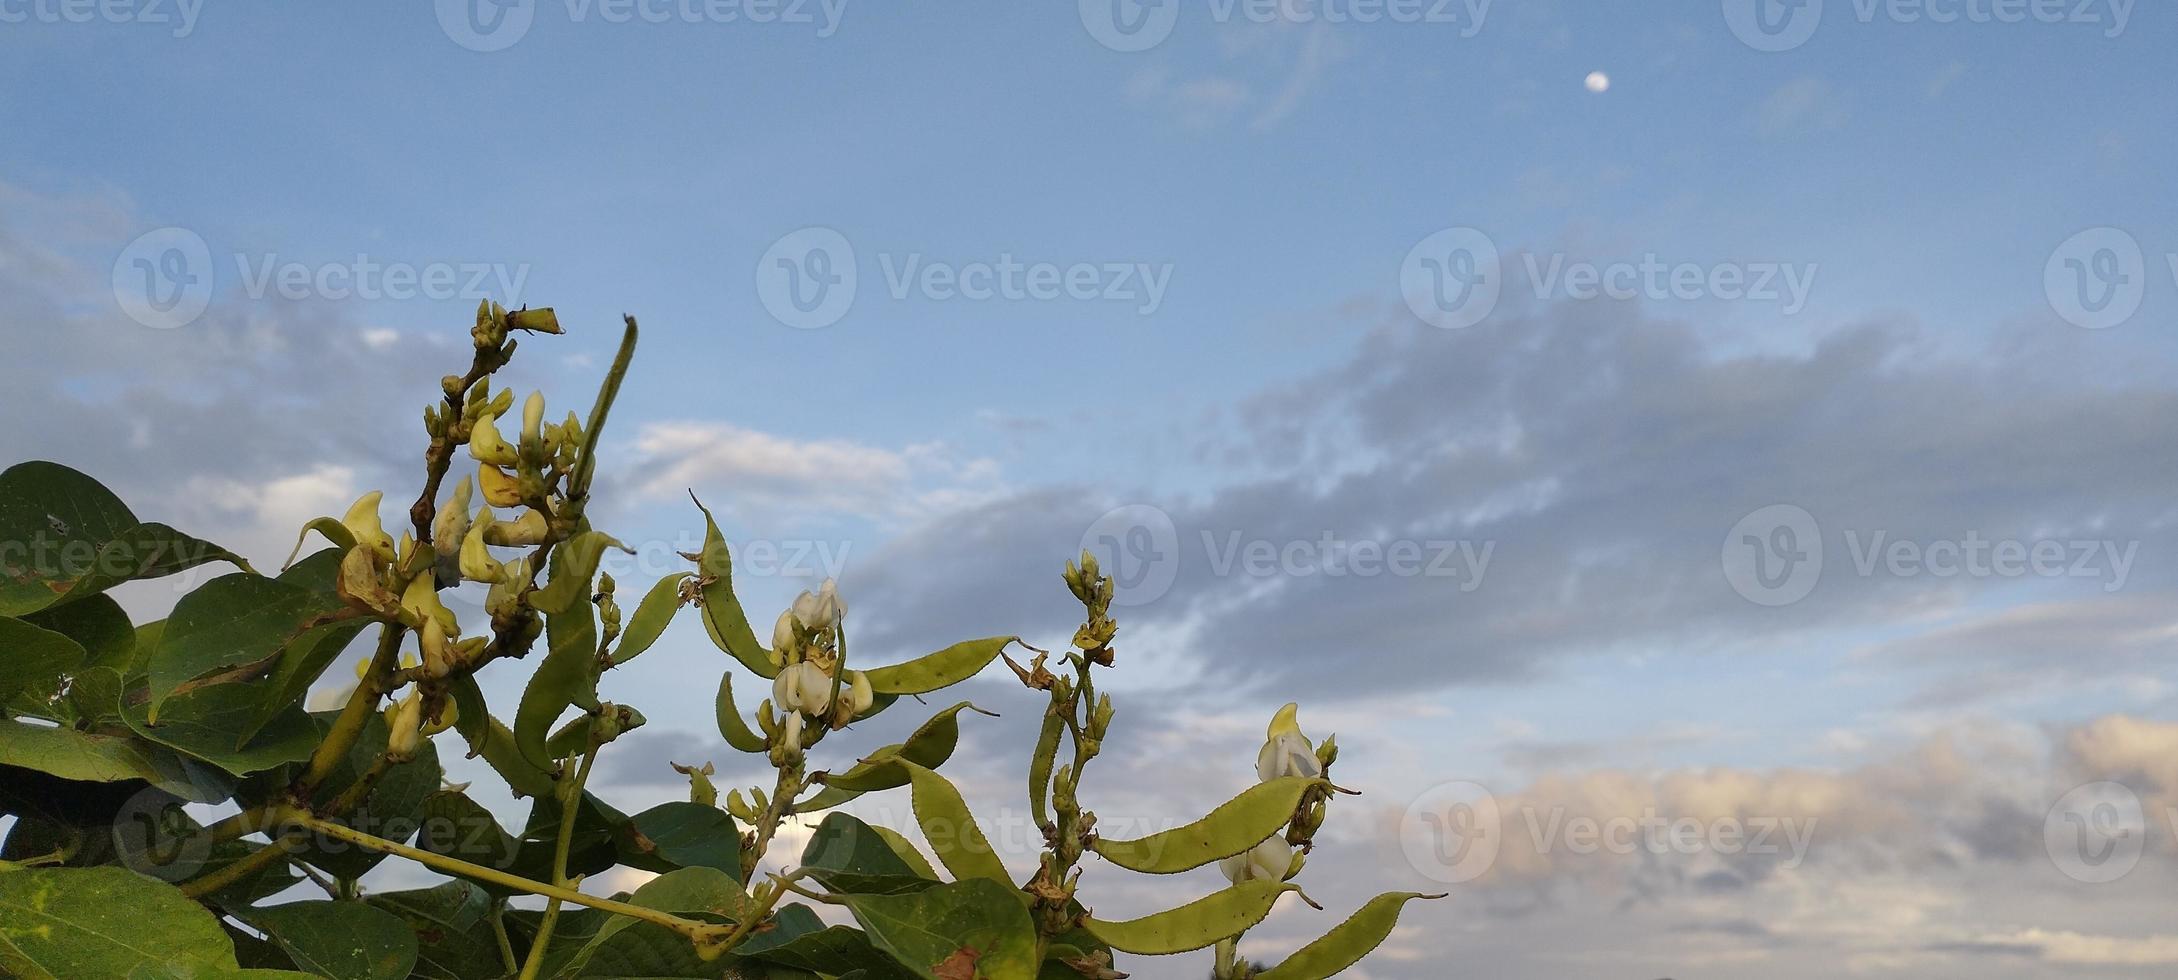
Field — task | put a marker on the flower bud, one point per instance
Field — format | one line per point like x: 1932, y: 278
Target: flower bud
x: 523, y: 531
x: 486, y: 445
x: 363, y: 524
x: 738, y: 805
x: 859, y: 693
x: 506, y: 594
x: 784, y: 642
x: 789, y: 748
x: 405, y: 730
x: 533, y: 410
x: 420, y: 604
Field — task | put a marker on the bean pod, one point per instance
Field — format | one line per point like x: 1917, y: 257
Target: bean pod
x: 1346, y: 945
x: 1200, y: 923
x: 1241, y: 823
x: 944, y: 668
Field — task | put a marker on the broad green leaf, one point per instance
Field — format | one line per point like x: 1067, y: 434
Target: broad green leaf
x: 1346, y: 945
x: 567, y: 676
x: 34, y: 667
x: 96, y: 622
x: 798, y: 938
x: 86, y: 756
x: 651, y: 617
x: 723, y: 618
x: 72, y: 923
x: 625, y: 947
x: 685, y: 835
x: 850, y: 856
x: 343, y: 940
x: 453, y: 927
x: 944, y: 668
x: 975, y: 923
x: 1241, y: 823
x: 234, y: 621
x: 69, y: 538
x: 305, y: 659
x: 1197, y: 924
x: 202, y: 722
x: 458, y: 827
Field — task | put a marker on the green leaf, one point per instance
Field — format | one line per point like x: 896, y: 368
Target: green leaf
x: 651, y: 617
x: 34, y: 667
x: 304, y: 660
x: 685, y: 835
x: 730, y: 723
x: 625, y: 947
x: 202, y: 722
x: 974, y: 921
x: 343, y: 940
x: 456, y: 826
x: 453, y: 930
x: 567, y: 676
x: 69, y: 538
x: 798, y: 938
x: 850, y: 856
x: 1197, y: 924
x: 905, y: 850
x: 96, y: 622
x: 723, y: 618
x: 1346, y: 945
x: 1241, y: 823
x: 944, y: 668
x: 68, y: 923
x: 234, y: 621
x: 88, y: 756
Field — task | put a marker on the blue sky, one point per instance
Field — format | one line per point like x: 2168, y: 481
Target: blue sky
x: 1273, y: 177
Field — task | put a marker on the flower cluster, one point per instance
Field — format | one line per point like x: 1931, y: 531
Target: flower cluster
x: 806, y: 648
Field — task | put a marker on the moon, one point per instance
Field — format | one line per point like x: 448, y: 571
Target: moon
x: 1598, y: 82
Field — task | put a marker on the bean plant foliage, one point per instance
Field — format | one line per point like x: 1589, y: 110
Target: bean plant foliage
x: 110, y: 730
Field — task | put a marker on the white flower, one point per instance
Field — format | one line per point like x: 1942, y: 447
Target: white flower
x: 533, y: 418
x: 452, y: 522
x: 405, y: 730
x: 1287, y: 752
x: 783, y: 640
x: 1268, y: 861
x: 362, y: 524
x: 486, y: 445
x: 790, y: 736
x: 804, y: 688
x: 821, y: 610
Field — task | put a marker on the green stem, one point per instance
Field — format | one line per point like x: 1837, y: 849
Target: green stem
x: 570, y: 797
x: 353, y: 716
x: 341, y: 832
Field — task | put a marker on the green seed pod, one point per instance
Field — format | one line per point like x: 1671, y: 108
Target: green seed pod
x: 730, y: 725
x: 1241, y: 823
x: 1345, y: 945
x: 944, y: 668
x: 1200, y: 923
